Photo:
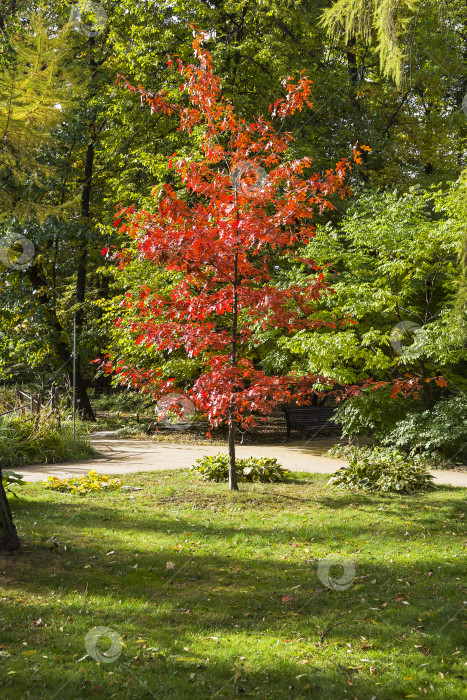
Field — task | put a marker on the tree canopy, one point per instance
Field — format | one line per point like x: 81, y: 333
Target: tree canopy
x: 389, y: 75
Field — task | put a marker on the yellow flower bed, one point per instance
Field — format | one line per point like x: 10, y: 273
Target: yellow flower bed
x: 83, y: 484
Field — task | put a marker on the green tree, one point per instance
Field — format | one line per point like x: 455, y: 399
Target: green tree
x: 393, y: 267
x: 31, y: 84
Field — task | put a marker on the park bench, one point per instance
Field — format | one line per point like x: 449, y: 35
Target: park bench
x: 308, y: 419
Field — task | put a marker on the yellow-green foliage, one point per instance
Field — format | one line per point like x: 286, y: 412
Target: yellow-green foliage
x: 83, y: 484
x: 34, y: 81
x: 389, y: 19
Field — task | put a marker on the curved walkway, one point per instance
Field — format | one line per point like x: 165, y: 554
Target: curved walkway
x: 124, y: 456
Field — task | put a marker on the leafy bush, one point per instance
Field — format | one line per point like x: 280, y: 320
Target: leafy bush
x: 36, y: 439
x: 9, y: 479
x: 438, y: 435
x: 32, y: 439
x: 431, y: 460
x: 351, y: 452
x: 348, y: 452
x: 373, y: 413
x: 254, y: 469
x: 442, y: 430
x: 83, y: 484
x: 382, y: 471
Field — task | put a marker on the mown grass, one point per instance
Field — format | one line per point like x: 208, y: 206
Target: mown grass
x: 216, y: 595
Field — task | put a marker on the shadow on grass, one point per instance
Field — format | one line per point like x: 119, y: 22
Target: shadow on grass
x: 256, y: 610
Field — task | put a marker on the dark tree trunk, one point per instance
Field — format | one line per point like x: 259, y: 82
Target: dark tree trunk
x: 63, y: 350
x: 352, y: 65
x: 9, y: 540
x: 85, y: 408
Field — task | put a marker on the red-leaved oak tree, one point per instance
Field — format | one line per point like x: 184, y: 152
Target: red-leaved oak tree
x: 239, y: 201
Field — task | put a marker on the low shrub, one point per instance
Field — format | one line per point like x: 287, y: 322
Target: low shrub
x: 255, y: 469
x: 441, y: 431
x: 432, y: 460
x: 438, y: 434
x: 373, y: 413
x: 385, y: 471
x: 83, y: 484
x: 35, y: 439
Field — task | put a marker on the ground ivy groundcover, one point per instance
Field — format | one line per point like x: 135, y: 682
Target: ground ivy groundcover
x: 285, y: 590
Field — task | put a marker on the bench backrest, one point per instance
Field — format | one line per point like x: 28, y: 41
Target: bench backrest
x: 300, y: 411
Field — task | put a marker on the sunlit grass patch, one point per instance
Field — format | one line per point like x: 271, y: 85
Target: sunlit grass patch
x: 206, y: 594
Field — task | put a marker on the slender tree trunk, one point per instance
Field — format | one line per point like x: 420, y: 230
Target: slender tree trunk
x: 85, y: 408
x: 62, y: 348
x: 352, y: 65
x: 9, y: 540
x: 233, y: 485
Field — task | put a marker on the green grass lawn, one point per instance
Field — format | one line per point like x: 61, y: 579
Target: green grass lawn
x: 215, y: 595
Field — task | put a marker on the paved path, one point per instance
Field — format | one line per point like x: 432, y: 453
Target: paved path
x: 124, y: 456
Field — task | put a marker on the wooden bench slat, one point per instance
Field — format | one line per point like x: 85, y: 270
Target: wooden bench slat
x: 307, y: 418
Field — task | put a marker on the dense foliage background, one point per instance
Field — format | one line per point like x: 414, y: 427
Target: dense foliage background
x: 75, y: 144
